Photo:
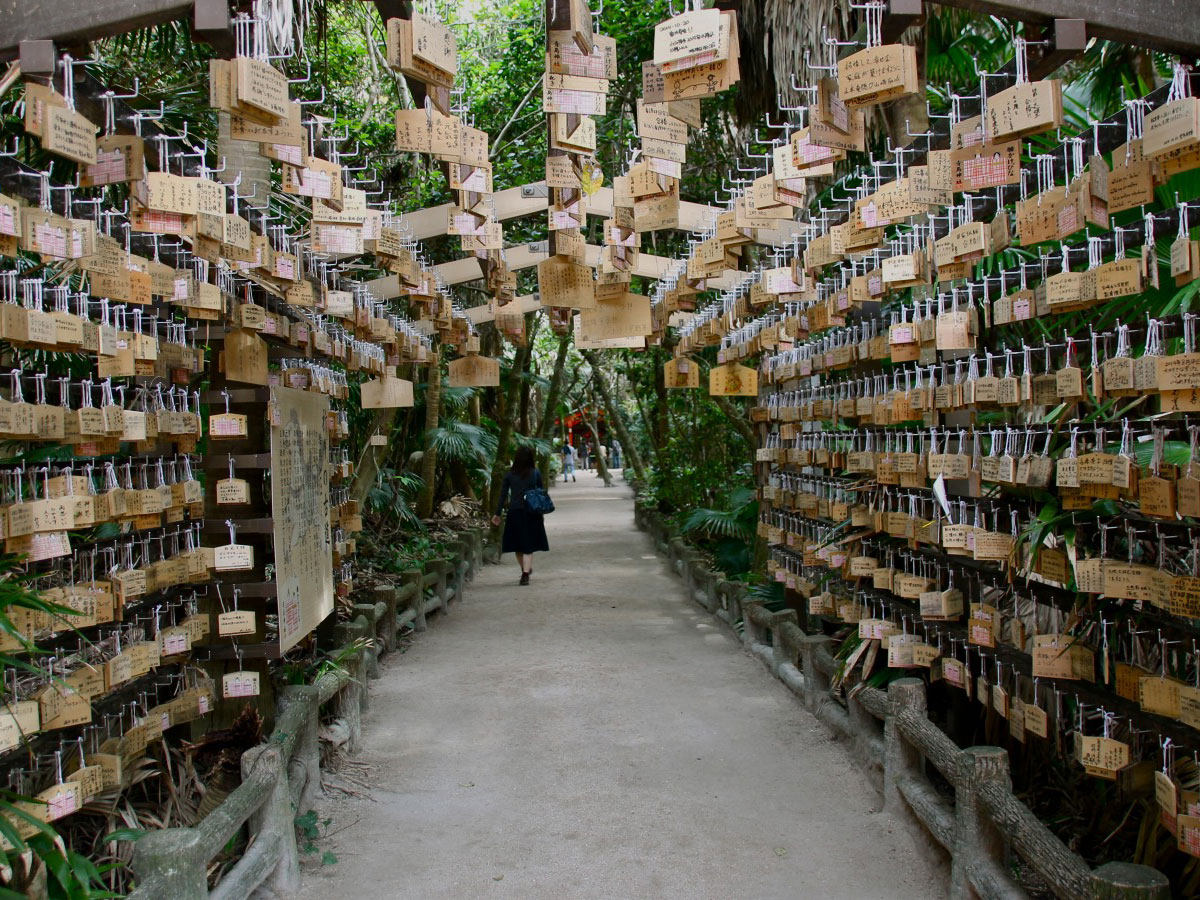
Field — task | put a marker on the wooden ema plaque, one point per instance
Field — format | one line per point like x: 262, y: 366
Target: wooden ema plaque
x: 732, y: 380
x: 681, y: 372
x: 474, y: 371
x: 387, y: 392
x: 621, y: 317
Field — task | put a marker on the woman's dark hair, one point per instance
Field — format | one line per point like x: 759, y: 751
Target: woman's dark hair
x: 523, y: 461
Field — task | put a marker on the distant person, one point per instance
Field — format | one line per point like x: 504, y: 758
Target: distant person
x: 568, y: 455
x: 616, y: 454
x: 524, y: 531
x: 583, y: 451
x: 602, y: 452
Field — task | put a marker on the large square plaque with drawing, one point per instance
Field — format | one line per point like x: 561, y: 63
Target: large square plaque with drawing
x: 300, y: 506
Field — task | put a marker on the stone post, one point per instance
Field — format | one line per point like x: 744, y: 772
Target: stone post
x: 900, y: 759
x: 417, y: 600
x: 1126, y: 881
x: 441, y: 567
x: 370, y: 654
x: 348, y: 703
x: 752, y: 632
x: 816, y: 682
x: 176, y: 861
x: 977, y: 841
x: 387, y: 624
x: 276, y: 818
x: 306, y: 762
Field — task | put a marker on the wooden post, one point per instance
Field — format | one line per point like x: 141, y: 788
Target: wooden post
x: 977, y: 842
x: 900, y: 759
x: 1126, y: 881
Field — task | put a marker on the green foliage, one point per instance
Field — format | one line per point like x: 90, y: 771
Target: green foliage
x: 461, y: 442
x: 728, y: 534
x: 69, y: 874
x: 310, y: 830
x: 392, y: 496
x: 411, y: 554
x: 769, y: 593
x: 309, y: 669
x: 735, y: 522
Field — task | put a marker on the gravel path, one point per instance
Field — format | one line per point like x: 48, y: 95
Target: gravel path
x: 595, y: 735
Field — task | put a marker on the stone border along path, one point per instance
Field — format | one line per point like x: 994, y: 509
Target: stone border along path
x: 595, y: 735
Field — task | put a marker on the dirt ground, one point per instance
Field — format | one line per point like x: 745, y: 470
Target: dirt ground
x: 596, y: 735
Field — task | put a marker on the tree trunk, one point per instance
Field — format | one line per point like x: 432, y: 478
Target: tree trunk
x: 556, y: 380
x: 739, y: 421
x: 473, y: 413
x: 433, y: 408
x: 372, y: 458
x: 601, y: 465
x: 615, y: 416
x: 523, y: 415
x: 661, y: 424
x: 367, y: 469
x: 461, y: 479
x: 507, y: 421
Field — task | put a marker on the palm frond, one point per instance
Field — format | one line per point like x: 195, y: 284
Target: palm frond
x: 539, y: 446
x: 463, y: 442
x: 716, y: 523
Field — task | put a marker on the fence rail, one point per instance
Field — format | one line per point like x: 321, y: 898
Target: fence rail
x: 984, y: 824
x: 280, y: 775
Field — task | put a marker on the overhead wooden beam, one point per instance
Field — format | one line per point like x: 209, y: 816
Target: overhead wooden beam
x: 511, y: 203
x: 1068, y: 39
x: 70, y: 24
x: 212, y: 25
x: 526, y: 256
x: 899, y: 16
x: 1171, y: 26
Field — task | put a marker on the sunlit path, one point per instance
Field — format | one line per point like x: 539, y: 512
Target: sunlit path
x: 594, y: 735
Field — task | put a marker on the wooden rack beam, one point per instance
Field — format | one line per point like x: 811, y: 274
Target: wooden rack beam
x: 80, y: 23
x: 525, y: 256
x: 1168, y: 25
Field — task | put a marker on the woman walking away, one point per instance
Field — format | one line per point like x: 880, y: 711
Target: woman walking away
x: 524, y: 530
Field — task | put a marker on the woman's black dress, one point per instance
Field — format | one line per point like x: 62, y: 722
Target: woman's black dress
x: 524, y: 531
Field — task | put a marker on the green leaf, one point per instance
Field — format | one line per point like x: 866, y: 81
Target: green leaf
x: 125, y: 834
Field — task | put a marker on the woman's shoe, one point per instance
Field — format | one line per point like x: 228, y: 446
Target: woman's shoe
x: 524, y: 578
